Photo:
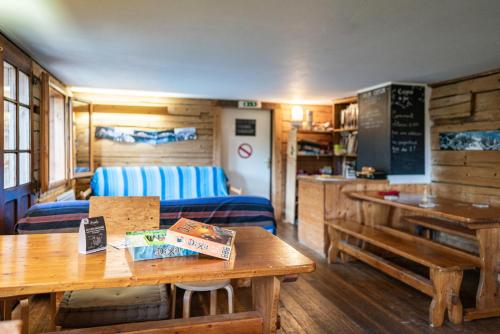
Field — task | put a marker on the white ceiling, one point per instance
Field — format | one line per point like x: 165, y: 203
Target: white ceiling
x: 276, y: 50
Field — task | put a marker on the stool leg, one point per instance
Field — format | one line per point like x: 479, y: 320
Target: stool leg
x: 213, y: 302
x: 173, y: 294
x: 230, y: 295
x: 186, y: 304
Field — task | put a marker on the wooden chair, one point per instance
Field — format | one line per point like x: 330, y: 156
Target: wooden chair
x: 100, y: 307
x: 126, y: 214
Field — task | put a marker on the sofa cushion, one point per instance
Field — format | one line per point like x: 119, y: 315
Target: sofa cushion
x: 101, y: 307
x: 166, y: 182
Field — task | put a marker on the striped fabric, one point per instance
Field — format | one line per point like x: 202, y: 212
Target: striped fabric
x: 169, y: 183
x: 60, y: 217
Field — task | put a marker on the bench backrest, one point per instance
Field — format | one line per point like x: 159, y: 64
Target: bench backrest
x: 166, y: 182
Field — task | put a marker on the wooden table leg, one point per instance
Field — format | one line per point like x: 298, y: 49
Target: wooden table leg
x: 53, y: 310
x: 488, y: 291
x: 488, y: 295
x: 375, y: 214
x: 7, y: 308
x: 446, y: 291
x: 265, y: 296
x: 25, y: 314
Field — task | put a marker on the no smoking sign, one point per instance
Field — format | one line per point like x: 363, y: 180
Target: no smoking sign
x: 245, y: 151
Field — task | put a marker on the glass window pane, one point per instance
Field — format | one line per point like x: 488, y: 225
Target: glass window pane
x: 9, y: 81
x: 24, y: 168
x: 24, y: 128
x: 9, y: 126
x: 57, y: 151
x: 9, y: 175
x: 24, y: 88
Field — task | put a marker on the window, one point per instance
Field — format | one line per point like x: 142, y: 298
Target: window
x: 57, y: 137
x: 17, y: 127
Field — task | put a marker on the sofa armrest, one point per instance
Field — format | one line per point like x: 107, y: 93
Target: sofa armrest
x: 235, y: 191
x: 85, y: 194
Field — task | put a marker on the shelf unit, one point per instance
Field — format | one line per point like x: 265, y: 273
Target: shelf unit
x: 345, y: 129
x: 313, y: 132
x: 340, y: 160
x: 309, y: 163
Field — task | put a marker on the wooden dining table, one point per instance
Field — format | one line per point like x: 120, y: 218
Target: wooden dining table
x: 49, y: 263
x: 484, y: 221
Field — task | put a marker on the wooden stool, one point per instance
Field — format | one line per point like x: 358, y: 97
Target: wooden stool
x: 211, y: 286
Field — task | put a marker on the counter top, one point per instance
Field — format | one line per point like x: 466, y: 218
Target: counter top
x: 334, y: 179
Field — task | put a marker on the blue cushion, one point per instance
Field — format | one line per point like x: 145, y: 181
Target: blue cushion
x: 172, y: 182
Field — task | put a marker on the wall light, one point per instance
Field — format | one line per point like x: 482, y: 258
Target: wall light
x: 297, y: 116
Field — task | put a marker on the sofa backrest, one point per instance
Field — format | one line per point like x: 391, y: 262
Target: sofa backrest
x: 167, y: 182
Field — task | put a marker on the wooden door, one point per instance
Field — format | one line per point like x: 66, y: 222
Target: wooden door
x: 15, y: 140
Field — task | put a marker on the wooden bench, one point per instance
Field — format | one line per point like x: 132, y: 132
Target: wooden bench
x: 446, y: 264
x: 441, y: 225
x: 237, y: 323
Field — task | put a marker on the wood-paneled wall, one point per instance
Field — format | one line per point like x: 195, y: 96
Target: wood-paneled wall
x: 471, y: 103
x: 198, y: 114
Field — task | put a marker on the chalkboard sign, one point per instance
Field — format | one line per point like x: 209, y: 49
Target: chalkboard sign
x: 391, y: 135
x: 245, y: 127
x: 407, y: 129
x: 92, y: 235
x: 374, y: 130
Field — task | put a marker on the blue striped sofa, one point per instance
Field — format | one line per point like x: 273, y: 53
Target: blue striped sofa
x: 166, y: 182
x: 199, y: 193
x: 64, y: 217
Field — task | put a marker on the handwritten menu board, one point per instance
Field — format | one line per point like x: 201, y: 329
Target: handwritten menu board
x: 373, y: 134
x: 407, y: 129
x: 391, y: 135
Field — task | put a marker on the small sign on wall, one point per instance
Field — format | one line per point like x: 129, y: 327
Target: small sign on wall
x: 245, y: 127
x: 249, y: 104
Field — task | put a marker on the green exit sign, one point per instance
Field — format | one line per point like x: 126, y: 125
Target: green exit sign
x: 249, y: 104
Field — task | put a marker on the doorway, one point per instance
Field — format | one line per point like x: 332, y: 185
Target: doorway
x: 246, y: 150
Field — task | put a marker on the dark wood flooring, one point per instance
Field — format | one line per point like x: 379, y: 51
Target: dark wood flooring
x: 337, y: 298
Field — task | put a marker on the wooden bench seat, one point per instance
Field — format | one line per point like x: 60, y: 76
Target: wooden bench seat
x: 237, y: 323
x: 442, y: 226
x: 446, y: 264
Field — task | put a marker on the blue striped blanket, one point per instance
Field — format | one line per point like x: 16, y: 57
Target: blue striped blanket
x: 168, y: 183
x: 221, y: 211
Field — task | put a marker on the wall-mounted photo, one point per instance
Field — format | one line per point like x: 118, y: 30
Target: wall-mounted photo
x: 470, y: 141
x: 133, y: 136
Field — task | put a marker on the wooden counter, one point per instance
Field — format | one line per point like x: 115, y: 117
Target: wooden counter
x: 321, y: 199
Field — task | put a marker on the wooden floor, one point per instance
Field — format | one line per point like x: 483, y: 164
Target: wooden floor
x: 337, y: 298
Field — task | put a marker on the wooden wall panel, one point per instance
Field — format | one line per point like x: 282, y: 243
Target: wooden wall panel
x: 467, y: 104
x: 196, y: 152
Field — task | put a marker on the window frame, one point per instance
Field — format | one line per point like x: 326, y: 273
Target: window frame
x: 67, y: 137
x: 18, y: 104
x: 73, y: 149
